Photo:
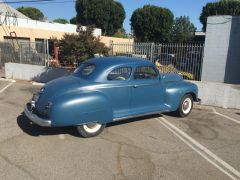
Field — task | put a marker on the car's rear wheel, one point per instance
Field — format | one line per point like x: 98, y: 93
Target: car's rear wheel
x: 185, y: 106
x: 90, y: 130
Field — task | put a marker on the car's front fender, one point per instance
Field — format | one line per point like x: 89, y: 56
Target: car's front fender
x: 176, y: 91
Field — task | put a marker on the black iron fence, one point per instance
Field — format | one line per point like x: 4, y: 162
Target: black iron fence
x: 34, y: 53
x: 183, y: 58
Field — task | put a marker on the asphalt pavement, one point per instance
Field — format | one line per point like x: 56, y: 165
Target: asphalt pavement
x: 205, y: 145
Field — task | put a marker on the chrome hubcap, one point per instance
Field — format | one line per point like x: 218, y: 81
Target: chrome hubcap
x: 185, y: 105
x: 92, y: 125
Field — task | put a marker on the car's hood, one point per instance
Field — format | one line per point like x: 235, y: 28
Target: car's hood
x: 57, y: 87
x: 172, y: 77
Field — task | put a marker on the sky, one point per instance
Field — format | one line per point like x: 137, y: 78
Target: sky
x: 66, y: 9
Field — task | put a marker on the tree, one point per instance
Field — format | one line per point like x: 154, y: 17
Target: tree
x: 31, y: 12
x: 105, y: 14
x: 73, y: 20
x: 61, y: 21
x: 121, y: 33
x: 183, y: 30
x: 152, y: 24
x: 222, y: 7
x: 75, y: 48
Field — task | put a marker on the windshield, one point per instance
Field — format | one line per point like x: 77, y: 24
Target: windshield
x: 85, y: 69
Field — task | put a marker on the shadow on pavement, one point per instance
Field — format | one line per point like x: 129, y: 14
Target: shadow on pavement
x: 34, y: 130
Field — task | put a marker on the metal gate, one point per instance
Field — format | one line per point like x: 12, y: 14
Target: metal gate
x: 34, y: 53
x: 184, y: 58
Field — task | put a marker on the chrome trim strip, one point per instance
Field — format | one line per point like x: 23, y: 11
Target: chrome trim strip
x: 34, y: 118
x: 135, y: 116
x: 115, y: 86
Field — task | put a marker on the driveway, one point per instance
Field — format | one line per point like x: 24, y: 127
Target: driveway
x: 203, y: 146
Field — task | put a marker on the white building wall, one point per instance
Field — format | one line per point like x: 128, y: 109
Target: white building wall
x: 33, y: 24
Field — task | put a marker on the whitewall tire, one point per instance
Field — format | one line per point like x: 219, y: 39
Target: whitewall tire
x: 90, y: 130
x: 185, y: 106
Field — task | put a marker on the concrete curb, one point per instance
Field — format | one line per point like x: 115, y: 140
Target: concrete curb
x: 37, y: 84
x: 219, y: 94
x: 8, y: 80
x: 203, y: 107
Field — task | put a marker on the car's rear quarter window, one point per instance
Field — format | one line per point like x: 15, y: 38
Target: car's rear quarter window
x: 145, y: 72
x: 120, y: 74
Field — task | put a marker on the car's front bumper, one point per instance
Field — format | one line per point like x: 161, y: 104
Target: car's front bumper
x: 198, y: 101
x: 36, y: 119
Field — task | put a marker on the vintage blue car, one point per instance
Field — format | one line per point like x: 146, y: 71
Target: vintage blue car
x: 109, y: 89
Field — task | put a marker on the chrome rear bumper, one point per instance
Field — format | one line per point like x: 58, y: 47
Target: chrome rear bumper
x: 34, y: 118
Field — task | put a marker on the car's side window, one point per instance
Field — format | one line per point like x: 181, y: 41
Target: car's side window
x: 145, y: 72
x: 120, y: 74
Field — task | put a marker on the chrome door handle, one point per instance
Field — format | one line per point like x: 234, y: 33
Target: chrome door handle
x: 135, y: 86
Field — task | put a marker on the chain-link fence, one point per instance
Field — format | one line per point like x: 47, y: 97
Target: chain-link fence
x: 184, y: 58
x: 34, y: 53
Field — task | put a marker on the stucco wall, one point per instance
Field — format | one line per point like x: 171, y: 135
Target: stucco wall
x: 31, y: 29
x: 33, y: 34
x: 27, y: 23
x: 30, y: 33
x: 108, y: 40
x: 221, y: 54
x: 219, y: 94
x: 232, y: 69
x: 33, y: 73
x: 216, y: 49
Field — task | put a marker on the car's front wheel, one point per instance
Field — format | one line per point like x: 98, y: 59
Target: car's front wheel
x: 90, y: 130
x: 185, y: 106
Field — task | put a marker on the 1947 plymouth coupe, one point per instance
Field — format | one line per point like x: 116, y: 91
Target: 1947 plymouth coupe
x: 103, y: 90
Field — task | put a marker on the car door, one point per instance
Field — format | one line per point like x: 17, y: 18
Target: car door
x: 119, y: 91
x: 147, y: 91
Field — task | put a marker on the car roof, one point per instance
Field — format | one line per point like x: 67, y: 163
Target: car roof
x: 104, y: 64
x: 107, y: 62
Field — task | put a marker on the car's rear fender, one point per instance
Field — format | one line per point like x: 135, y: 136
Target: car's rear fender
x: 81, y: 108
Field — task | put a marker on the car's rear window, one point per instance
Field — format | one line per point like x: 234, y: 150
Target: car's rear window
x: 85, y: 69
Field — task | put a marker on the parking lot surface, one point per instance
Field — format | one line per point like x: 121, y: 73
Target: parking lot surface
x: 205, y: 145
